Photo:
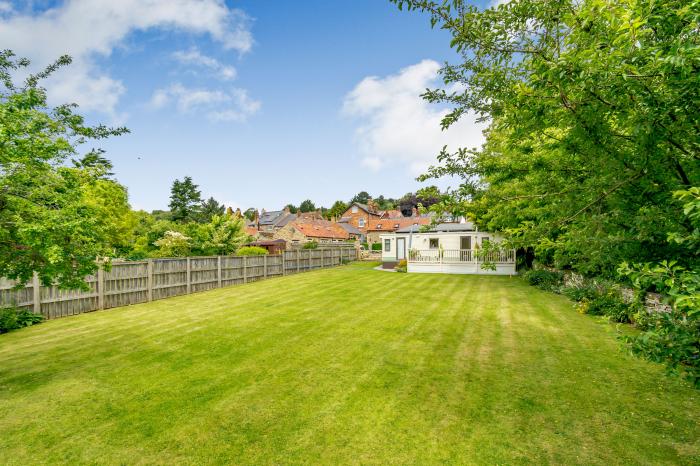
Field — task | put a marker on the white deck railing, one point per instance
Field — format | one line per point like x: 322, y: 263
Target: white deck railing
x: 439, y: 256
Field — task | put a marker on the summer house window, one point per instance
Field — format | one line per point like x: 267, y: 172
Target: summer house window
x: 434, y: 243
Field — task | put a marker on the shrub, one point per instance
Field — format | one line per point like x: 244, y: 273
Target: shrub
x: 672, y: 338
x: 376, y: 246
x: 610, y: 305
x: 402, y: 266
x: 585, y: 292
x: 310, y: 245
x: 12, y: 318
x: 252, y: 251
x: 544, y: 279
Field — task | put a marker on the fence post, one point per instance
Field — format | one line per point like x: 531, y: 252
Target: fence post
x: 298, y: 261
x: 149, y: 269
x: 218, y: 271
x: 100, y: 288
x: 283, y: 256
x: 245, y: 269
x: 189, y: 277
x: 265, y: 266
x: 36, y: 291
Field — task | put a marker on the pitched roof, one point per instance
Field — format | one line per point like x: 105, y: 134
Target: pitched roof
x: 442, y: 227
x: 393, y: 213
x: 350, y: 229
x: 321, y: 229
x: 276, y: 217
x: 393, y: 224
x: 364, y: 207
x: 268, y: 218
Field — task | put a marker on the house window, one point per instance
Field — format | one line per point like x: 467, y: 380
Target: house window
x: 387, y: 245
x: 361, y: 222
x: 434, y: 243
x: 354, y: 209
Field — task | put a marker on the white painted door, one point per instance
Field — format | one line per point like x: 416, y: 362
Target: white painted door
x: 400, y: 249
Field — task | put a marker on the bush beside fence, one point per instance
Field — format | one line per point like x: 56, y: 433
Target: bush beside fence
x: 136, y: 282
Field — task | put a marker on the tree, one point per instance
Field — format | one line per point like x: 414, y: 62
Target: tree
x: 362, y: 197
x: 407, y: 203
x: 250, y: 213
x: 428, y: 196
x: 223, y: 235
x: 46, y: 225
x: 110, y: 200
x: 209, y: 209
x: 185, y: 200
x: 307, y: 206
x: 292, y: 208
x: 593, y: 125
x: 385, y: 203
x: 337, y: 209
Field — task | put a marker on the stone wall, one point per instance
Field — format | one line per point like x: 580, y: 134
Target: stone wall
x: 653, y: 302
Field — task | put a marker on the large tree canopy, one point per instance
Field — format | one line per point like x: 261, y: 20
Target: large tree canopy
x: 50, y: 219
x: 594, y: 124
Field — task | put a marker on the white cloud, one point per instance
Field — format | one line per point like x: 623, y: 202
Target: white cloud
x: 194, y: 57
x: 89, y: 29
x: 6, y: 7
x: 217, y: 105
x: 398, y: 127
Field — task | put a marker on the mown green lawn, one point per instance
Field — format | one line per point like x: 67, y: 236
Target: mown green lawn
x: 348, y: 365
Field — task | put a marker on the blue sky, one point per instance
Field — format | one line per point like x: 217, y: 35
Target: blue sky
x: 261, y: 102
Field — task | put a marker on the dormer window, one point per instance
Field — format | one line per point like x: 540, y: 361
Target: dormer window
x: 354, y: 209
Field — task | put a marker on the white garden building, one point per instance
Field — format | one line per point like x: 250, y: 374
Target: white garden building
x: 445, y: 248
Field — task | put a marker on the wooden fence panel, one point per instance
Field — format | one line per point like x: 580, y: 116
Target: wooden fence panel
x: 231, y: 270
x: 56, y: 302
x: 203, y: 273
x: 11, y: 296
x: 169, y: 278
x: 125, y: 283
x: 135, y: 282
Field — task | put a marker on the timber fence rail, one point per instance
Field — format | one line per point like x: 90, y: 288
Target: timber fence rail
x: 133, y: 282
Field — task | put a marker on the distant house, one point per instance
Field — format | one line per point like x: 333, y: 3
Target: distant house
x: 274, y: 220
x: 445, y: 248
x: 303, y: 231
x: 359, y: 215
x: 352, y: 231
x: 388, y: 225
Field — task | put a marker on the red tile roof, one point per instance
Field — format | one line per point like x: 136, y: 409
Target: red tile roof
x: 252, y: 231
x: 321, y: 229
x: 393, y: 224
x: 392, y: 214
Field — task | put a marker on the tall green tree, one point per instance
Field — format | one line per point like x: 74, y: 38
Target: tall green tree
x: 47, y: 224
x: 209, y: 209
x: 362, y: 197
x: 307, y: 206
x: 336, y: 210
x: 185, y: 200
x: 594, y: 123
